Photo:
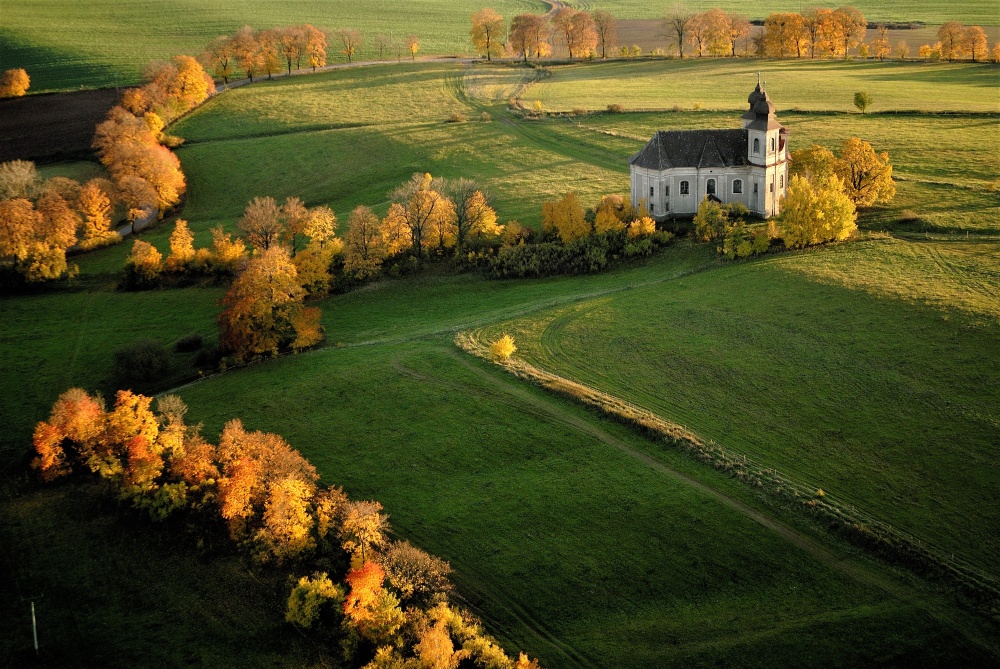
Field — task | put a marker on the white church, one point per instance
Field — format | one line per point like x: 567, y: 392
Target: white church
x: 677, y: 169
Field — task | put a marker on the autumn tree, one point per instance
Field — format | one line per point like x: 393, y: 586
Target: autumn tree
x: 181, y: 247
x: 880, y: 45
x: 474, y: 217
x: 503, y: 348
x: 144, y: 264
x: 351, y: 41
x: 738, y: 29
x: 488, y: 33
x: 577, y: 29
x: 813, y: 213
x: 373, y: 610
x: 287, y: 520
x: 845, y: 30
x: 382, y: 42
x: 412, y: 45
x: 783, y: 35
x: 261, y: 223
x: 14, y: 83
x: 612, y: 214
x: 815, y: 163
x: 363, y: 247
x: 529, y: 36
x: 246, y: 51
x: 866, y: 176
x: 262, y: 309
x: 606, y: 28
x: 76, y: 417
x: 676, y: 25
x: 363, y: 528
x: 951, y: 36
x: 425, y: 211
x: 315, y: 45
x: 19, y: 179
x: 565, y: 218
x: 697, y: 32
x: 219, y: 57
x: 974, y: 43
x: 413, y: 573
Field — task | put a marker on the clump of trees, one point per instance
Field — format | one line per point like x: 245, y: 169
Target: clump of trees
x: 958, y: 42
x: 726, y: 225
x: 40, y: 220
x: 866, y: 176
x: 579, y: 241
x: 269, y: 51
x: 385, y: 602
x: 14, y: 83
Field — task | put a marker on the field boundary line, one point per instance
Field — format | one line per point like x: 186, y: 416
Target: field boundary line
x: 860, y: 528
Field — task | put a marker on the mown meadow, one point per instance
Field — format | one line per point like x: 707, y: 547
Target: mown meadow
x: 858, y: 367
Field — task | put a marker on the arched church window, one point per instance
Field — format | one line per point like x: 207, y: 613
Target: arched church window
x: 781, y: 181
x: 738, y: 186
x: 772, y: 145
x: 756, y: 145
x: 684, y: 188
x: 710, y: 187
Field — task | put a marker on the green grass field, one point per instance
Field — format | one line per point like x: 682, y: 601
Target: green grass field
x: 859, y: 368
x: 929, y: 11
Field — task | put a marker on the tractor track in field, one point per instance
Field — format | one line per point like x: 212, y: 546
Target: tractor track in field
x: 524, y: 397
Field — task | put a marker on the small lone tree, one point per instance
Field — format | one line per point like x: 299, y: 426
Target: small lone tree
x: 504, y: 347
x: 14, y: 83
x: 863, y: 100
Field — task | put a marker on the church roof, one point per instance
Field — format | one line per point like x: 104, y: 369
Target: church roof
x: 693, y: 148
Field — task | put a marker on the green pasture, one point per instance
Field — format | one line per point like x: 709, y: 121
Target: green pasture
x: 859, y: 368
x: 980, y: 12
x: 720, y: 83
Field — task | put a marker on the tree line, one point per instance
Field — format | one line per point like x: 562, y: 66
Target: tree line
x: 386, y: 602
x: 814, y: 33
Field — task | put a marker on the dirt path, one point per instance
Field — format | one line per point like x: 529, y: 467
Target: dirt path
x: 945, y: 613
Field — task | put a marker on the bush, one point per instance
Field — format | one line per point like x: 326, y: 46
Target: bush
x: 909, y: 216
x: 503, y: 348
x: 188, y: 343
x: 141, y: 364
x: 587, y: 255
x: 615, y: 108
x: 457, y: 117
x: 485, y: 117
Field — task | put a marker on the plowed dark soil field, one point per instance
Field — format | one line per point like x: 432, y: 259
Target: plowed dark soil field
x: 52, y: 126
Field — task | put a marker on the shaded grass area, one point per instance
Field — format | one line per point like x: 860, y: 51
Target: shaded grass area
x: 554, y: 535
x: 119, y: 592
x: 719, y: 83
x: 884, y: 402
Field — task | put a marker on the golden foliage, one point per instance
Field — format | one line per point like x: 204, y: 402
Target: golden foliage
x: 181, y: 247
x: 372, y: 609
x: 227, y: 254
x: 364, y: 248
x: 288, y: 522
x: 363, y: 528
x: 145, y: 262
x: 14, y: 83
x: 813, y: 213
x: 867, y: 176
x: 412, y: 45
x: 566, y: 218
x: 641, y: 227
x: 95, y: 209
x: 529, y: 36
x: 488, y: 33
x: 611, y: 214
x: 503, y: 348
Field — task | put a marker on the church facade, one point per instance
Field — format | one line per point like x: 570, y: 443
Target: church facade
x: 677, y: 169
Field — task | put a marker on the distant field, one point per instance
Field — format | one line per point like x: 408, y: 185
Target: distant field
x: 807, y: 85
x: 41, y: 127
x: 982, y: 12
x: 65, y: 44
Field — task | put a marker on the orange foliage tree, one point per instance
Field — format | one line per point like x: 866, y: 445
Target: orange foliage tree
x: 14, y: 83
x: 529, y: 36
x: 261, y: 310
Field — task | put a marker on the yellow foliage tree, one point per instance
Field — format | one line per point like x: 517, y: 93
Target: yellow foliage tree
x: 181, y: 247
x: 503, y: 348
x: 364, y: 249
x: 641, y: 227
x: 95, y: 210
x: 287, y: 519
x: 488, y: 32
x: 867, y: 176
x: 611, y: 214
x: 144, y: 263
x: 309, y: 596
x: 813, y: 213
x: 227, y: 254
x: 566, y: 218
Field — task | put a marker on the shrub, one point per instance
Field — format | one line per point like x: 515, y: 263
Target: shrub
x: 457, y: 117
x: 615, y: 108
x: 504, y: 347
x: 485, y: 117
x: 579, y: 111
x: 310, y: 597
x: 909, y: 216
x: 188, y: 343
x: 141, y: 364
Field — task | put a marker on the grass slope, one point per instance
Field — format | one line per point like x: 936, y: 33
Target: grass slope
x: 825, y: 365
